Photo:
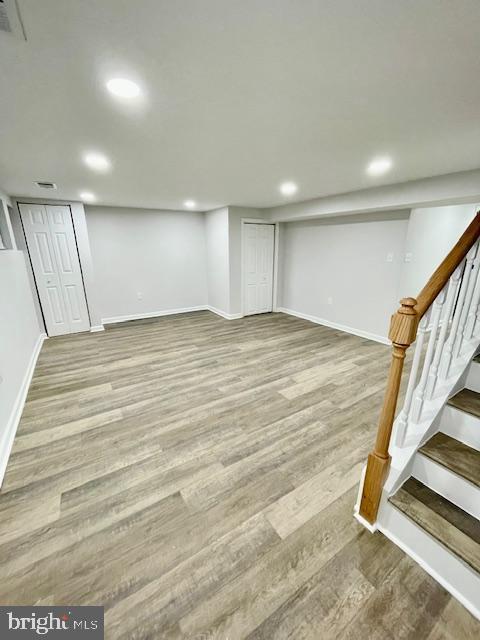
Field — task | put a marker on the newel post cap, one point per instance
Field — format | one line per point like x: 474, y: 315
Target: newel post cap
x: 403, y: 327
x: 407, y: 307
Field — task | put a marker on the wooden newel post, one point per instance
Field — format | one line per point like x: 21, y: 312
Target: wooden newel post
x: 403, y: 330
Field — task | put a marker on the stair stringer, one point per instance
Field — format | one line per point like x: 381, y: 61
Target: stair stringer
x: 460, y: 580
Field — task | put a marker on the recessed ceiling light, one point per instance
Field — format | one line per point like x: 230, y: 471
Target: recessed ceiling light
x: 378, y: 166
x: 288, y: 188
x: 87, y: 196
x: 123, y: 88
x: 97, y: 161
x: 190, y: 204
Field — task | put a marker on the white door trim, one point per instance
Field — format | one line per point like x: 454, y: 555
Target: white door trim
x: 276, y: 236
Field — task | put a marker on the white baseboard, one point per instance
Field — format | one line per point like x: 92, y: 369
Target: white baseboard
x: 6, y: 442
x: 371, y: 527
x: 335, y: 325
x: 356, y: 509
x: 236, y: 316
x: 223, y: 314
x: 153, y: 314
x: 97, y: 327
x: 167, y: 312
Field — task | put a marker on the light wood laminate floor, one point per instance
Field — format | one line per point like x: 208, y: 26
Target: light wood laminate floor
x: 197, y: 476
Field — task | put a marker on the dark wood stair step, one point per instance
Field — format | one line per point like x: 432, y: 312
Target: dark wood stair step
x: 456, y: 456
x: 468, y: 401
x: 447, y: 523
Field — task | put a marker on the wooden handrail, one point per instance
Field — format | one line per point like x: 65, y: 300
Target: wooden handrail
x: 403, y: 331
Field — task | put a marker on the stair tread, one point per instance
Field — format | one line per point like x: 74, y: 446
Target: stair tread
x: 467, y: 400
x: 450, y: 525
x: 453, y: 454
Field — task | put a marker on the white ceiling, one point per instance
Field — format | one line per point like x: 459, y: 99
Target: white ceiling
x: 240, y: 95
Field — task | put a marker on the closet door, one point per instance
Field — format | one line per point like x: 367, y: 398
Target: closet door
x: 56, y: 266
x: 258, y: 268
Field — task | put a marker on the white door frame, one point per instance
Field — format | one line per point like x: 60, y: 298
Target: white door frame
x: 276, y: 238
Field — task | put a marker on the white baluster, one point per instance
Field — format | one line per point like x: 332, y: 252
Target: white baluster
x: 405, y: 412
x: 474, y: 307
x: 448, y: 351
x: 468, y: 300
x: 419, y: 395
x: 451, y: 297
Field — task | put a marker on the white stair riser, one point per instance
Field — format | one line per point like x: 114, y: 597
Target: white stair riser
x: 454, y: 488
x: 443, y: 565
x: 473, y: 377
x: 461, y: 426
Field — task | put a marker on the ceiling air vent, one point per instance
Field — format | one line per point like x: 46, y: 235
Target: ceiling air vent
x: 10, y: 20
x: 46, y: 185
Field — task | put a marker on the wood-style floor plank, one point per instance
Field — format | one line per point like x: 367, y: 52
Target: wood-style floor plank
x: 196, y: 477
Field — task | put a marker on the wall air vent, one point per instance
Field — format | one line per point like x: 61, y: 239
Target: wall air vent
x: 46, y: 185
x: 10, y: 20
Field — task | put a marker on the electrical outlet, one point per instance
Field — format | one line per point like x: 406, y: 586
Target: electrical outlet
x: 139, y: 295
x: 329, y: 300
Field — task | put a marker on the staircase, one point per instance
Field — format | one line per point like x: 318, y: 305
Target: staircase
x: 421, y: 484
x: 435, y: 515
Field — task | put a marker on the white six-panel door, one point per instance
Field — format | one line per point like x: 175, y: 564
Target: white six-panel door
x: 258, y: 268
x: 56, y: 266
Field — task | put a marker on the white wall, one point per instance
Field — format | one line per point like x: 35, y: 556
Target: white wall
x: 20, y: 339
x: 461, y: 187
x: 218, y: 259
x: 346, y: 260
x: 157, y: 254
x: 432, y: 232
x: 22, y: 246
x: 6, y: 233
